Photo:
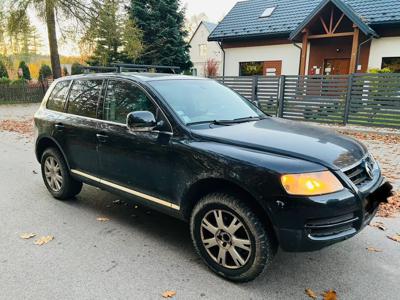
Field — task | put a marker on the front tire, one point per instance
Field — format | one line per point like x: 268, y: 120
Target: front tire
x: 56, y: 175
x: 230, y: 238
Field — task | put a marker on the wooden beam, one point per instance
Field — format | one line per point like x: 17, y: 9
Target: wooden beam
x: 323, y: 24
x: 338, y: 23
x: 304, y: 48
x: 354, y: 51
x: 331, y: 22
x: 330, y: 35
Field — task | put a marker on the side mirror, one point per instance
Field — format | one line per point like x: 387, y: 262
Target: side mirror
x: 141, y: 121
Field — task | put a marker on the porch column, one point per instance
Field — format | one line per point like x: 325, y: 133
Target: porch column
x: 354, y: 50
x: 303, y: 59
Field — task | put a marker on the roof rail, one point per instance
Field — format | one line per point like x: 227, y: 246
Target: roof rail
x: 87, y: 69
x: 145, y: 68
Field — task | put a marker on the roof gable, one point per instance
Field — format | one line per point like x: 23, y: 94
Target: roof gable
x: 208, y: 25
x: 346, y: 9
x: 243, y: 21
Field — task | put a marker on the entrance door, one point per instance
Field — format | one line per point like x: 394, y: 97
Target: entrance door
x: 272, y: 68
x: 337, y: 66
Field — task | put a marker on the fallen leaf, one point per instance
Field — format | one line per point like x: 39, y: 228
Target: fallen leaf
x: 102, y: 219
x: 379, y: 225
x: 44, y: 240
x: 329, y: 295
x: 27, y: 236
x: 168, y: 294
x: 395, y: 237
x: 310, y: 293
x: 34, y: 172
x: 372, y: 249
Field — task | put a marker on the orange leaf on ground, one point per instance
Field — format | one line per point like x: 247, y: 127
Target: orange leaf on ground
x: 372, y: 249
x: 27, y: 236
x: 310, y: 293
x: 102, y: 219
x: 379, y: 225
x: 44, y: 240
x: 395, y: 237
x: 329, y: 295
x: 168, y: 294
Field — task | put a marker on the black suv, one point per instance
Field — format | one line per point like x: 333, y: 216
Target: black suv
x: 196, y: 150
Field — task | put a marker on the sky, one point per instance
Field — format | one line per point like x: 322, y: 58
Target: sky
x: 214, y: 9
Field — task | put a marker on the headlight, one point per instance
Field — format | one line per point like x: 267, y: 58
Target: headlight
x: 310, y: 184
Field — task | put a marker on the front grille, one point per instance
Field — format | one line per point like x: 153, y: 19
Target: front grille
x: 358, y: 174
x: 322, y: 228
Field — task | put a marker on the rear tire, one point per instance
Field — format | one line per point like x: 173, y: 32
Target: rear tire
x: 56, y: 176
x: 230, y: 238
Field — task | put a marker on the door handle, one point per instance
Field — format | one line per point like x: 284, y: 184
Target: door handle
x: 59, y: 127
x: 102, y: 138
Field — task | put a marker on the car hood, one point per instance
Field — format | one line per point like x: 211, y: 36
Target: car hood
x: 289, y: 138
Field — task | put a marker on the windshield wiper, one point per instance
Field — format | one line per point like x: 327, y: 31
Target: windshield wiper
x: 227, y: 122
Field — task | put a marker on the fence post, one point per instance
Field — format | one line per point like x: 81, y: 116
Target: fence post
x: 281, y: 96
x: 348, y: 99
x: 254, y: 86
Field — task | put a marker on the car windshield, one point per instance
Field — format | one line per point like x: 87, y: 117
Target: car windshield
x: 202, y: 101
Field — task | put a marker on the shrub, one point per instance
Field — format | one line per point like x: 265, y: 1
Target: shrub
x: 44, y: 72
x: 5, y: 80
x: 20, y: 81
x: 26, y: 74
x: 3, y: 70
x: 65, y: 71
x: 380, y: 71
x: 211, y: 68
x: 76, y: 68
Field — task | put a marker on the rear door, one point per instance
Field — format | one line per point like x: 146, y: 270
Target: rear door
x: 79, y: 125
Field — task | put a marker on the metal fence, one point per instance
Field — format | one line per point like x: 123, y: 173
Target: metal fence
x: 361, y: 99
x: 22, y: 93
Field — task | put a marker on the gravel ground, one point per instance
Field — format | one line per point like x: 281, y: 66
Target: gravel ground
x: 138, y: 254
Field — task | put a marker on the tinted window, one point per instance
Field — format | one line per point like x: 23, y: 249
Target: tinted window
x: 84, y: 97
x: 123, y: 98
x: 57, y: 97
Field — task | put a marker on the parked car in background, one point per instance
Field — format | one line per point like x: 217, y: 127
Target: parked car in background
x: 194, y: 149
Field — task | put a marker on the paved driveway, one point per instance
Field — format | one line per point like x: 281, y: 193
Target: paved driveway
x: 138, y: 254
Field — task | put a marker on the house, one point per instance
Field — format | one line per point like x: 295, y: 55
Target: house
x: 202, y: 50
x: 306, y: 37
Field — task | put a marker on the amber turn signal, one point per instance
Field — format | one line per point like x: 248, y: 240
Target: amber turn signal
x: 311, y: 184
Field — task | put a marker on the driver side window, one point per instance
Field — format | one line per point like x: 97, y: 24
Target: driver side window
x: 123, y: 98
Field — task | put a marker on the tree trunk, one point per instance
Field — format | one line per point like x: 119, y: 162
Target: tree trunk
x: 52, y: 35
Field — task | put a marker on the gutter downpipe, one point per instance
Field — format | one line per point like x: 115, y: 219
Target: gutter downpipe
x: 223, y: 60
x: 301, y: 49
x: 359, y: 50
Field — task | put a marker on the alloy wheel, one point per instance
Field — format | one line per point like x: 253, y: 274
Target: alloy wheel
x: 53, y: 174
x: 226, y: 239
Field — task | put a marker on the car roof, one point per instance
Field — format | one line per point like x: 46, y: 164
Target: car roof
x: 144, y: 77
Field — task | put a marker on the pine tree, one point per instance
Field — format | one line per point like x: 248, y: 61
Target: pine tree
x: 162, y: 23
x: 113, y: 36
x: 44, y: 72
x: 26, y: 74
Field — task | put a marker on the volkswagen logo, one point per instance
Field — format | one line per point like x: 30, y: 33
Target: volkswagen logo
x: 368, y: 169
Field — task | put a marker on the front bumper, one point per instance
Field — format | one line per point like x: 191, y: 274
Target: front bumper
x: 309, y: 224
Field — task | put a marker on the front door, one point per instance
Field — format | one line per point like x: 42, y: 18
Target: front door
x: 139, y: 161
x: 272, y: 68
x: 337, y: 66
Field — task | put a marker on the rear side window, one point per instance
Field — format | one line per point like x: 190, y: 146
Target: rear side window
x: 123, y: 98
x: 58, y: 96
x: 84, y: 97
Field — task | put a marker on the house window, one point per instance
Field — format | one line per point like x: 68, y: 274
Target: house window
x: 268, y: 12
x: 251, y: 68
x: 203, y: 50
x: 393, y: 63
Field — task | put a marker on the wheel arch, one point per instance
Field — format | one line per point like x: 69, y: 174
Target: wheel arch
x: 211, y: 185
x: 47, y: 142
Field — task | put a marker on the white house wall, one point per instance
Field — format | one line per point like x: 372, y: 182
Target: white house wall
x: 383, y: 47
x: 213, y: 50
x: 287, y: 53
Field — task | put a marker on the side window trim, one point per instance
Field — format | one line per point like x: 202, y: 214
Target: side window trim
x: 136, y: 84
x: 67, y: 97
